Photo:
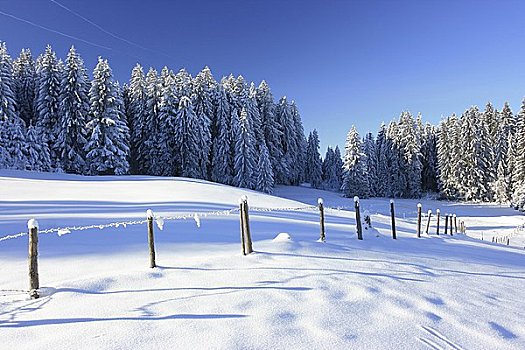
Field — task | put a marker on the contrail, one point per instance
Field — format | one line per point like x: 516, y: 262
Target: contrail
x: 54, y: 31
x: 104, y: 30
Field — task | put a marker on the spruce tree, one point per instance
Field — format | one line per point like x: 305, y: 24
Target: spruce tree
x: 107, y: 149
x: 355, y: 180
x: 186, y: 137
x: 264, y: 180
x: 244, y: 157
x: 37, y: 151
x: 313, y: 161
x: 25, y: 88
x: 369, y: 148
x: 222, y: 157
x: 49, y: 76
x: 137, y: 119
x: 72, y: 115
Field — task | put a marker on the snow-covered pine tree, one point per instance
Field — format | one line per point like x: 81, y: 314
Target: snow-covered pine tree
x: 271, y: 128
x: 518, y: 176
x: 264, y: 179
x: 49, y: 77
x: 429, y: 159
x: 245, y: 153
x: 338, y: 166
x: 183, y: 84
x: 369, y: 148
x: 36, y: 151
x: 328, y: 170
x: 486, y: 154
x: 222, y: 145
x: 15, y: 143
x: 186, y: 138
x: 314, y: 171
x: 204, y: 87
x: 168, y: 163
x: 287, y: 142
x: 396, y: 161
x: 148, y: 148
x: 137, y: 114
x: 355, y: 180
x: 107, y: 149
x: 383, y: 171
x: 301, y: 144
x: 410, y: 145
x: 25, y: 78
x: 9, y: 149
x: 72, y: 115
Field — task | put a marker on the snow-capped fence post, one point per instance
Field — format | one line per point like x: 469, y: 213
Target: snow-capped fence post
x: 450, y: 221
x: 358, y: 218
x: 419, y: 206
x: 438, y: 213
x: 429, y: 215
x: 446, y: 224
x: 455, y: 223
x: 246, y: 238
x: 34, y: 282
x: 151, y: 239
x: 322, y: 237
x: 393, y: 219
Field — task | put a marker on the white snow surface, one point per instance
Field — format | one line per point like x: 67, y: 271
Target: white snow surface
x: 98, y: 292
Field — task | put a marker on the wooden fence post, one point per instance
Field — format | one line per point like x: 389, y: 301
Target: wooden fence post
x: 419, y: 206
x: 455, y: 223
x: 446, y: 224
x: 358, y: 218
x: 241, y: 217
x: 34, y: 282
x: 429, y: 215
x: 393, y: 218
x: 450, y: 221
x: 151, y: 239
x: 322, y: 236
x: 438, y: 213
x: 246, y: 224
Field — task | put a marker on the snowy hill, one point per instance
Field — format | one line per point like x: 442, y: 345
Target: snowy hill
x: 437, y: 292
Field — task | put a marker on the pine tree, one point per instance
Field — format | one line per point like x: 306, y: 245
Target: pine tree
x: 72, y: 115
x: 166, y: 147
x: 338, y: 166
x: 10, y: 146
x: 429, y: 162
x: 410, y: 146
x: 264, y: 181
x: 518, y: 176
x: 272, y: 131
x: 287, y: 142
x: 313, y: 161
x: 25, y: 78
x: 222, y: 158
x: 37, y: 151
x: 149, y: 148
x: 383, y: 171
x: 49, y: 75
x: 355, y: 181
x: 108, y: 145
x: 203, y: 89
x: 186, y: 138
x: 15, y: 143
x: 137, y: 116
x: 369, y: 148
x: 244, y: 159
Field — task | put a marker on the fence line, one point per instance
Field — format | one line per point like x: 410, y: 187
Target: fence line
x: 159, y: 220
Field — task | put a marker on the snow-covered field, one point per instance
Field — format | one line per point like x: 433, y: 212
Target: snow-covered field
x: 435, y: 292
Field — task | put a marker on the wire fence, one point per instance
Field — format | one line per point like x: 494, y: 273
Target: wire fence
x: 160, y: 220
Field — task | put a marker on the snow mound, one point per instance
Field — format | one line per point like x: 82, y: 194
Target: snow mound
x: 282, y: 237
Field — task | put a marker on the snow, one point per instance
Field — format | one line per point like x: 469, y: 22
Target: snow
x: 32, y: 223
x: 97, y: 290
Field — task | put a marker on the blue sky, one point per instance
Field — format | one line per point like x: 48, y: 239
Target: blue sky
x: 343, y: 62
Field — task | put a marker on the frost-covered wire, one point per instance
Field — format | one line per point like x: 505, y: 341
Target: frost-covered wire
x: 268, y: 210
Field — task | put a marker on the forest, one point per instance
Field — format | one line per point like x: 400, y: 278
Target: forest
x: 54, y: 117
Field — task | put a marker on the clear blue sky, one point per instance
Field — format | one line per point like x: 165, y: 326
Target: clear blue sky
x: 344, y: 62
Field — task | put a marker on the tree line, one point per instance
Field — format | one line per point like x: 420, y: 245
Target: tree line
x: 53, y: 117
x: 478, y: 156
